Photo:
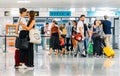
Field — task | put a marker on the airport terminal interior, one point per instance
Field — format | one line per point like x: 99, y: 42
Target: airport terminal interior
x: 64, y: 13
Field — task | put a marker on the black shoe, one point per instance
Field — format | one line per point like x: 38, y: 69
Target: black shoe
x: 83, y: 55
x: 30, y: 65
x: 71, y: 54
x: 75, y: 55
x: 16, y: 67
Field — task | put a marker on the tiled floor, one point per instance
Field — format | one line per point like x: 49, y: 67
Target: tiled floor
x: 62, y: 66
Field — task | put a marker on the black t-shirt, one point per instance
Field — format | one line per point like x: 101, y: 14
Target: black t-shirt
x: 74, y: 30
x: 85, y: 29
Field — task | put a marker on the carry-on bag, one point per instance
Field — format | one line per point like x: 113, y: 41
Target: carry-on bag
x: 17, y: 57
x: 21, y: 43
x: 78, y: 37
x: 35, y: 37
x: 108, y: 51
x: 90, y: 48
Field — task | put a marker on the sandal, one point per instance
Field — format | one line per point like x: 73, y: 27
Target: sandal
x: 56, y: 53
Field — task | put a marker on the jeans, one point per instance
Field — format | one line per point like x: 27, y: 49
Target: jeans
x: 69, y: 44
x: 36, y: 47
x: 43, y: 41
x: 86, y: 43
x: 80, y: 47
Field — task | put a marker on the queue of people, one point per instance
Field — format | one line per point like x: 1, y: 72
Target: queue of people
x: 99, y: 34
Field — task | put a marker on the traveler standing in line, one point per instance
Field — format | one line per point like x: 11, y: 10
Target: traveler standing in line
x: 47, y: 33
x: 54, y: 38
x: 68, y: 36
x: 107, y: 30
x: 80, y: 30
x: 62, y: 45
x: 87, y: 35
x: 25, y: 30
x: 74, y: 32
x: 63, y: 30
x: 44, y: 31
x: 23, y: 13
x: 97, y: 36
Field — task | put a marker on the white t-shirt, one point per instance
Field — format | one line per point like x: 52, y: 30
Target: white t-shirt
x: 47, y: 29
x: 23, y: 21
x: 80, y: 24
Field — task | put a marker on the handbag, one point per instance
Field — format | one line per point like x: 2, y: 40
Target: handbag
x: 78, y: 37
x: 62, y: 42
x: 90, y: 48
x: 34, y: 36
x: 21, y: 43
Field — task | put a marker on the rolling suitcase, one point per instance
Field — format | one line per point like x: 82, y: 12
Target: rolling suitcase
x: 108, y: 51
x: 17, y: 57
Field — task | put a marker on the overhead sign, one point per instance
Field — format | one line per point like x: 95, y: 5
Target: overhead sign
x: 7, y: 13
x: 36, y: 13
x: 60, y: 13
x: 101, y: 13
x: 117, y: 13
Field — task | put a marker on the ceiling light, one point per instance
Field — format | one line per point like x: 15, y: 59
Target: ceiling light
x: 84, y: 9
x: 23, y: 1
x: 93, y: 9
x: 107, y: 9
x: 72, y: 9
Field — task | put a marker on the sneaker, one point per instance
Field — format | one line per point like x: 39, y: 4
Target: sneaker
x: 16, y: 67
x: 30, y: 68
x: 23, y: 71
x: 71, y: 54
x: 83, y: 55
x: 75, y: 55
x: 22, y: 66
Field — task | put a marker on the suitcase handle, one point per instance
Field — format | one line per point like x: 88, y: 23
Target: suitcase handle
x: 102, y: 45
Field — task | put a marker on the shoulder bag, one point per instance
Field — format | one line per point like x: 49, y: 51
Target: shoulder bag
x: 34, y: 36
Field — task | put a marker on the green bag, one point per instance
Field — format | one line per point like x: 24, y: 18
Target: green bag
x: 90, y: 48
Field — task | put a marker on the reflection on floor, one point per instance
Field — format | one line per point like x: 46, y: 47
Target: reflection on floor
x: 62, y: 66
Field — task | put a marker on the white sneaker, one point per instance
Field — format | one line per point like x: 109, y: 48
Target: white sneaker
x: 23, y: 66
x: 23, y: 71
x: 30, y: 68
x: 16, y: 67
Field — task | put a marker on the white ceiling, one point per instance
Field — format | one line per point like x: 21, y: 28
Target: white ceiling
x: 61, y: 3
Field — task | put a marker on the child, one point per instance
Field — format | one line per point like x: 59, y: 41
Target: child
x: 62, y: 45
